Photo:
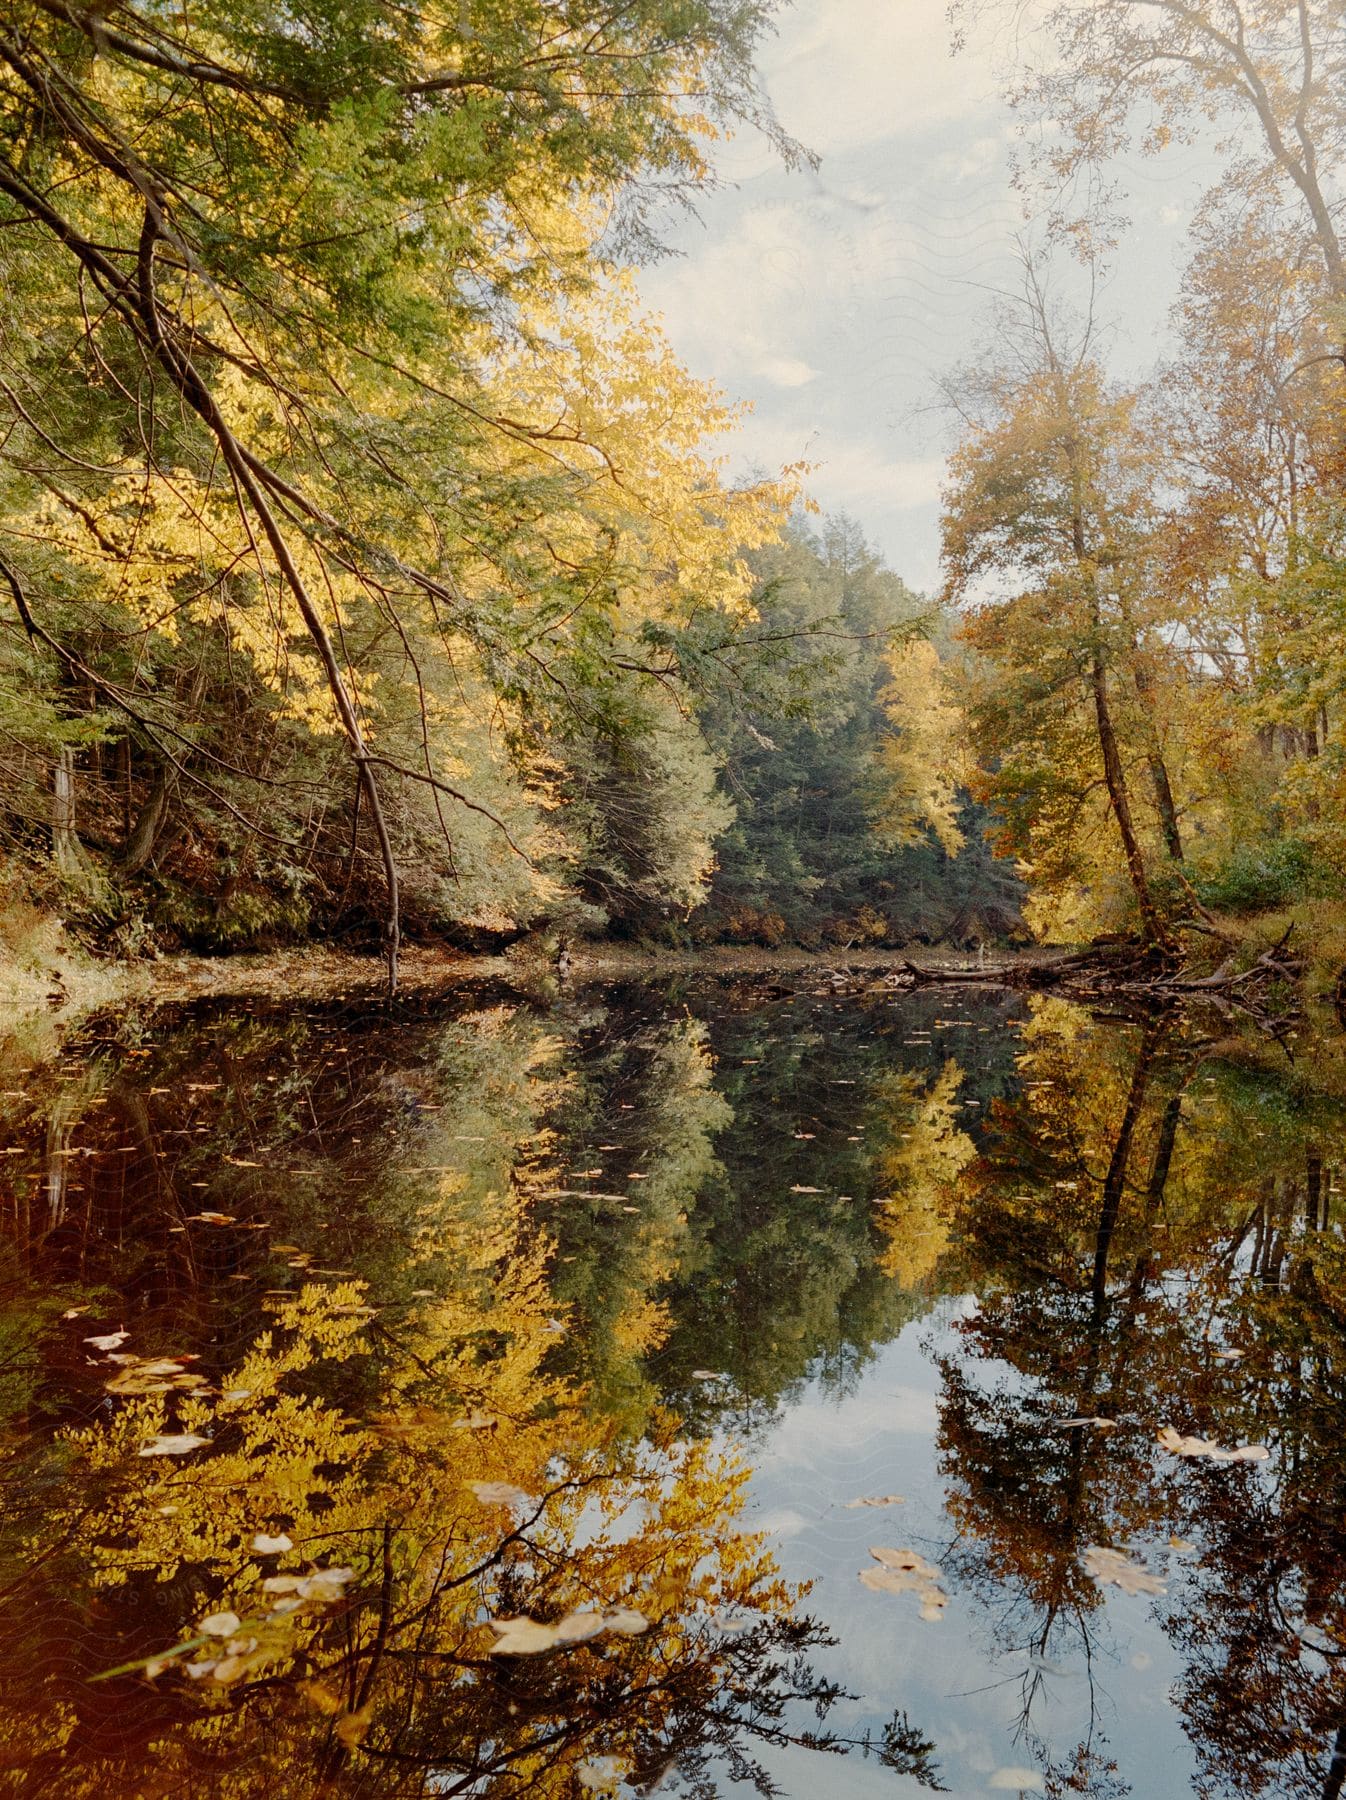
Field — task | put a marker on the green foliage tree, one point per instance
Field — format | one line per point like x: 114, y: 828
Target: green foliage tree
x: 840, y: 758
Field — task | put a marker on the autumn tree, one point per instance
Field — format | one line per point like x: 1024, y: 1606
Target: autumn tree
x: 1047, y: 545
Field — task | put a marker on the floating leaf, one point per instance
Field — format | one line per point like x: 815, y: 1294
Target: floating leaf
x: 1115, y: 1568
x: 113, y: 1340
x: 876, y: 1500
x: 578, y: 1627
x: 1096, y: 1420
x: 521, y: 1637
x: 173, y: 1444
x: 1178, y: 1445
x: 321, y: 1698
x: 221, y: 1625
x: 354, y: 1727
x: 625, y: 1621
x: 528, y: 1637
x: 906, y: 1572
x: 271, y: 1546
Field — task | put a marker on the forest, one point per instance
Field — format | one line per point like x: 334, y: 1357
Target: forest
x: 372, y: 566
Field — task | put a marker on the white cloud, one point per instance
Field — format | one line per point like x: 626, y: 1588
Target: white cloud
x: 787, y: 371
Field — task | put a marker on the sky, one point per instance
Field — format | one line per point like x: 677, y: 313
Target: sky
x: 833, y: 301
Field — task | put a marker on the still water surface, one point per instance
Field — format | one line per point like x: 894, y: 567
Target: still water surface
x: 329, y: 1336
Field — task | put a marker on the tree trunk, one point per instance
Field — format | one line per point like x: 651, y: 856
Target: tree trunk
x: 64, y: 844
x: 1313, y: 1190
x: 1115, y: 776
x: 144, y: 834
x: 1114, y: 1183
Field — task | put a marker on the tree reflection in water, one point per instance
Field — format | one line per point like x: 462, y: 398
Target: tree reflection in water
x: 426, y: 1284
x: 317, y: 1253
x: 1151, y: 1234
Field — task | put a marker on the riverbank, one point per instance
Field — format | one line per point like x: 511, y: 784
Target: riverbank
x: 46, y: 974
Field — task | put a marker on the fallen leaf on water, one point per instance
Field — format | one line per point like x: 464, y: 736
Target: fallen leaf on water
x: 159, y: 1377
x: 1178, y: 1445
x: 1096, y: 1420
x: 498, y: 1493
x: 172, y: 1444
x: 210, y: 1218
x: 708, y: 1375
x: 625, y: 1621
x: 578, y: 1627
x: 321, y: 1697
x: 1229, y: 1355
x: 322, y: 1584
x: 906, y: 1572
x: 220, y: 1625
x: 74, y: 1312
x: 521, y: 1637
x: 1115, y: 1568
x: 798, y: 1188
x: 875, y: 1500
x: 528, y: 1637
x: 111, y: 1341
x: 271, y: 1546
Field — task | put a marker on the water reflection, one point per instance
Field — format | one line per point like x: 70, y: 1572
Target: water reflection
x: 1151, y: 1230
x: 485, y: 1312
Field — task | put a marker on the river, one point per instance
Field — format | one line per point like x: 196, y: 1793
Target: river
x: 707, y: 1387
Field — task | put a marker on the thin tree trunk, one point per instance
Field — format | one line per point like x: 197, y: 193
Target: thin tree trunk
x: 1163, y: 800
x: 1115, y: 776
x: 1313, y: 1192
x: 64, y: 843
x: 144, y: 834
x: 1114, y: 1183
